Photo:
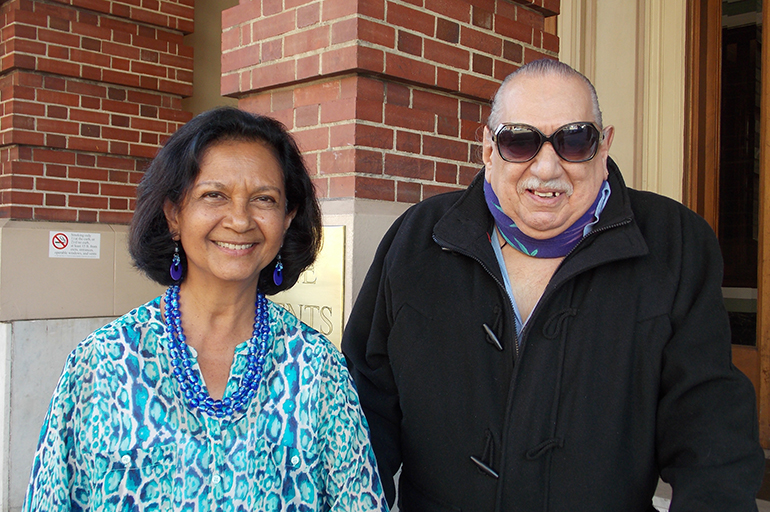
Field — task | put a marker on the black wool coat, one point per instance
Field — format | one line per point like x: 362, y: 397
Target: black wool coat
x: 622, y: 373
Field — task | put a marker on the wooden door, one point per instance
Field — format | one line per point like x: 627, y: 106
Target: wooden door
x: 726, y: 171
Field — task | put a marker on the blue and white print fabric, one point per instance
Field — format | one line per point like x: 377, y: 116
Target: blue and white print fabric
x: 118, y: 437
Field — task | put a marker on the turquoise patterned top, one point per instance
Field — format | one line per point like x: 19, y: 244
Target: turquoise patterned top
x: 118, y: 436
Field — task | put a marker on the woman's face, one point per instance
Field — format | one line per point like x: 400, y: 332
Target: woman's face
x: 232, y: 221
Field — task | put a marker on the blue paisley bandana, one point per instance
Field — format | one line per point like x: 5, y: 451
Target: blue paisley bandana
x: 556, y: 247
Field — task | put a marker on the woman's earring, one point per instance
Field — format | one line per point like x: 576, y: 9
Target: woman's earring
x: 278, y: 272
x: 176, y: 264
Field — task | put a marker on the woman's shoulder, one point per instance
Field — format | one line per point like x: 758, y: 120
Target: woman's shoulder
x: 300, y: 341
x: 127, y: 330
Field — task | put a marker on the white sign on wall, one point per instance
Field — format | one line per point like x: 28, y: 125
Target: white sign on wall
x: 67, y: 244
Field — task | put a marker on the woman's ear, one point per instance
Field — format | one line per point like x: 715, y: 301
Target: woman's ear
x: 287, y: 221
x: 171, y: 211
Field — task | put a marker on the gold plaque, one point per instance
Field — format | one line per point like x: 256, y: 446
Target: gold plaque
x: 319, y: 294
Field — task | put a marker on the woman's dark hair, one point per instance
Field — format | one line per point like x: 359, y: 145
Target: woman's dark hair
x: 174, y: 170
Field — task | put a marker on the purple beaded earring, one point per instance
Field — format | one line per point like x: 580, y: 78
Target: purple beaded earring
x: 176, y: 264
x: 278, y: 272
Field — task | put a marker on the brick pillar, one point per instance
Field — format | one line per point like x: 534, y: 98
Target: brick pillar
x: 386, y: 97
x: 88, y: 90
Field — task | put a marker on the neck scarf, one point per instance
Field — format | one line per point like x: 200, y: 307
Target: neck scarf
x: 556, y: 247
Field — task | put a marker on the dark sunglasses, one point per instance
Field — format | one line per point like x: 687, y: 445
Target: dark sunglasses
x: 574, y: 142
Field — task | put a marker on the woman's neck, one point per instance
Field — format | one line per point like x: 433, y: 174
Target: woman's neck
x: 215, y: 320
x: 219, y: 299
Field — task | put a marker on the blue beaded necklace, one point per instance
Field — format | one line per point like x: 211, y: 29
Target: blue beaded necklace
x: 192, y: 385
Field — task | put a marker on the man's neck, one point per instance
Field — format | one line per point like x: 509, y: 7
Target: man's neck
x: 528, y: 277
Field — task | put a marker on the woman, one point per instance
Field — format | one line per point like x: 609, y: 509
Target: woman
x: 167, y: 407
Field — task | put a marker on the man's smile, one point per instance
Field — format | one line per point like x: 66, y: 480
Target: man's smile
x: 546, y: 194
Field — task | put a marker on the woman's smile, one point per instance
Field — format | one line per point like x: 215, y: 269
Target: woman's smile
x: 234, y: 247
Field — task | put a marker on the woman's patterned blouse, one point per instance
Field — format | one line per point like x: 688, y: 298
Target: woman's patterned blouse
x: 118, y: 436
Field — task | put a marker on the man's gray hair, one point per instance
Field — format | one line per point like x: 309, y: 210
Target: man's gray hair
x: 542, y: 67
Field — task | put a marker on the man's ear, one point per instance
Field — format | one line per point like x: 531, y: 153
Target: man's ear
x: 171, y: 211
x: 488, y: 148
x: 604, y: 149
x: 609, y: 135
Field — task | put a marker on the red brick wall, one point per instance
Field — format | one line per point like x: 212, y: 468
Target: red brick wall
x: 386, y: 97
x: 88, y: 90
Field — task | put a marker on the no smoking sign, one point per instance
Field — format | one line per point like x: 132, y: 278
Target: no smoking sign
x: 66, y: 244
x: 60, y: 241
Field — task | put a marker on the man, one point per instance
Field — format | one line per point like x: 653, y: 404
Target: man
x: 549, y: 339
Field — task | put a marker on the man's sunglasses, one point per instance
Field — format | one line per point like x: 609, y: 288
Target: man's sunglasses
x: 574, y: 142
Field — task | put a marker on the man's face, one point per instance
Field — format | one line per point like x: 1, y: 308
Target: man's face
x: 547, y: 194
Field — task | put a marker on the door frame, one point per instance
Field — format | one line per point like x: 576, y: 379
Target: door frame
x: 701, y: 172
x: 763, y: 263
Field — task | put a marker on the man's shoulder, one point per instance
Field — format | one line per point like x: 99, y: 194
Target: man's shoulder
x: 666, y: 221
x: 429, y: 211
x: 423, y: 216
x: 651, y: 205
x: 645, y: 198
x: 438, y: 204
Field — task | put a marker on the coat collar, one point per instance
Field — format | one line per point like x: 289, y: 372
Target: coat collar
x: 466, y: 228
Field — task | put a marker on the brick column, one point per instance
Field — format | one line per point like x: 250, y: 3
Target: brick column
x: 88, y: 90
x: 386, y: 97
